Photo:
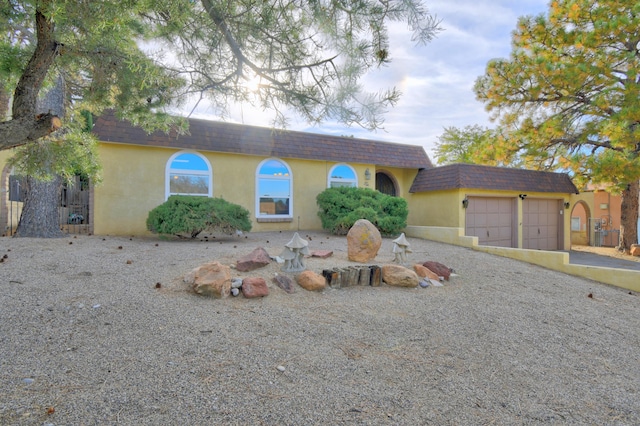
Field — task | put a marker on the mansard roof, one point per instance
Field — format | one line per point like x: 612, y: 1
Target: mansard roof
x: 475, y: 176
x: 206, y: 135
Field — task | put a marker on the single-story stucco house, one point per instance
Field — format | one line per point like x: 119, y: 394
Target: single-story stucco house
x: 277, y: 174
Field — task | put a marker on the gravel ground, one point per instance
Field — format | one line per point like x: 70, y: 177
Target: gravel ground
x: 86, y: 338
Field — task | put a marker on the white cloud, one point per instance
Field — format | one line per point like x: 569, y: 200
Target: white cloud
x: 436, y: 79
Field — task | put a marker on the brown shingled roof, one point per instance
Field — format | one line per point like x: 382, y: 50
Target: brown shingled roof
x: 475, y: 176
x: 205, y: 135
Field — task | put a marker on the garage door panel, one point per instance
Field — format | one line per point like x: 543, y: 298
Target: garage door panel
x: 506, y: 206
x: 543, y: 220
x: 540, y: 224
x: 491, y: 220
x: 505, y: 233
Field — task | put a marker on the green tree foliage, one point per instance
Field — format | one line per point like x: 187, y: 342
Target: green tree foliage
x: 570, y: 91
x: 341, y: 207
x: 141, y: 57
x: 191, y: 215
x: 66, y: 153
x: 464, y: 145
x: 492, y: 147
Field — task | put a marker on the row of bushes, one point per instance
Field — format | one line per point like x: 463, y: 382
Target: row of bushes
x: 340, y: 208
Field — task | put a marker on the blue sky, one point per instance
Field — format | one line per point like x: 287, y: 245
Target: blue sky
x: 437, y: 79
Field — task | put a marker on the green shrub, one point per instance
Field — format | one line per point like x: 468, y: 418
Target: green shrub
x: 340, y: 208
x: 187, y: 214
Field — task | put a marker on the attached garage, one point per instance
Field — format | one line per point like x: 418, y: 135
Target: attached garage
x: 501, y: 206
x: 492, y: 220
x: 541, y: 224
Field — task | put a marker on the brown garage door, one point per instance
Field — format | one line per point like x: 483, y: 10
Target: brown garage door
x: 540, y: 219
x: 491, y: 220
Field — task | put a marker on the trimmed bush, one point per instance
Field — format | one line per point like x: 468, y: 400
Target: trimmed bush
x: 341, y: 207
x: 188, y: 214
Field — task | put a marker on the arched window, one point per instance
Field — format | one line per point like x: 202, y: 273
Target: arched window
x: 274, y: 184
x: 188, y: 173
x: 342, y: 175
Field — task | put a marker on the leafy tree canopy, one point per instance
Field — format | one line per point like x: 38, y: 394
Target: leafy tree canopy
x: 497, y: 147
x: 570, y: 88
x: 141, y: 57
x: 571, y: 91
x: 464, y: 145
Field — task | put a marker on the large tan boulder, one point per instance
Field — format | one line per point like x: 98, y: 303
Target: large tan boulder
x: 211, y: 279
x: 399, y: 276
x: 635, y: 250
x: 363, y: 241
x: 311, y: 281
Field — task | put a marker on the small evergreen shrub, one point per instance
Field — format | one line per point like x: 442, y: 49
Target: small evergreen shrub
x: 188, y: 214
x: 341, y: 207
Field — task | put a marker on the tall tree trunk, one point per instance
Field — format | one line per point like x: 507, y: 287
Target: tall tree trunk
x: 40, y: 216
x: 5, y: 98
x: 629, y: 217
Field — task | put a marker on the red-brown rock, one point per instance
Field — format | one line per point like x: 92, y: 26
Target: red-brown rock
x: 258, y: 258
x: 363, y: 241
x: 211, y: 279
x: 425, y: 272
x: 438, y: 268
x: 634, y: 250
x: 285, y: 283
x: 254, y: 287
x: 311, y: 281
x: 323, y: 254
x: 399, y: 276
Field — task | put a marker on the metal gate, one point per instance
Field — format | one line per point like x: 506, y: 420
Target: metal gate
x: 75, y: 214
x: 74, y: 207
x: 601, y: 234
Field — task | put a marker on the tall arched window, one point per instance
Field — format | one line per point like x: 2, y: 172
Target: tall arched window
x: 342, y: 175
x: 188, y: 173
x: 274, y: 189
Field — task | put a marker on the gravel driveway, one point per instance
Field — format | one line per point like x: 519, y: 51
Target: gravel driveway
x: 86, y: 338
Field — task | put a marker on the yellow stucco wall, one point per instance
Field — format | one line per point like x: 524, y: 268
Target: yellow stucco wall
x: 4, y: 155
x: 556, y: 260
x: 437, y: 208
x: 134, y: 183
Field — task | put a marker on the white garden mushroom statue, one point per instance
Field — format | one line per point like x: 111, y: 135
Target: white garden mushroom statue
x: 400, y: 249
x: 293, y: 254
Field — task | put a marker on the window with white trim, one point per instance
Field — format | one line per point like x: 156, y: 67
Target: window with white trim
x: 274, y: 188
x: 575, y: 223
x: 188, y: 173
x: 342, y: 175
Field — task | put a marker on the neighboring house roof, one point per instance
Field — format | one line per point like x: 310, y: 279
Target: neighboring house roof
x: 475, y: 176
x: 205, y: 135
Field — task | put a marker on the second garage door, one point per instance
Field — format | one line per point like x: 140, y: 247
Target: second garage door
x: 540, y: 219
x: 491, y: 220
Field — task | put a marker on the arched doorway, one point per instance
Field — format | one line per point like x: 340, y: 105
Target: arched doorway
x: 386, y: 184
x: 580, y: 215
